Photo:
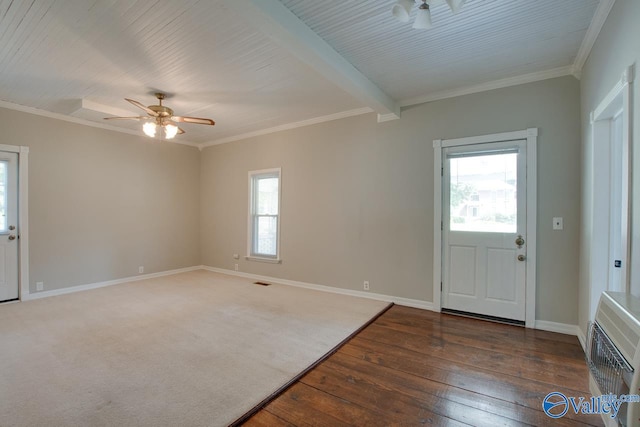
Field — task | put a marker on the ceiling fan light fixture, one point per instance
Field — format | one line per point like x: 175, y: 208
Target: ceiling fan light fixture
x: 423, y: 19
x: 170, y: 131
x: 149, y: 129
x: 161, y: 116
x: 456, y: 5
x: 402, y: 9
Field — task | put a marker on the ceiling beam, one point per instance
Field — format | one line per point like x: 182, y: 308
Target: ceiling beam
x: 273, y: 19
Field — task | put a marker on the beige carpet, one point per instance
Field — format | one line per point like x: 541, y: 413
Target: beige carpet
x: 193, y: 349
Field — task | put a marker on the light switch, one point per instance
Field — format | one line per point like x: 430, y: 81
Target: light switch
x: 557, y: 223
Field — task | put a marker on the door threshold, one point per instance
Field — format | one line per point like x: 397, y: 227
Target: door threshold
x: 484, y: 317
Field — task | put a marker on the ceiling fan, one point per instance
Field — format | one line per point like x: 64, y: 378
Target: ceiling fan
x: 161, y: 116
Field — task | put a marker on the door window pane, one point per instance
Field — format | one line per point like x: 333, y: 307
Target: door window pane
x: 482, y: 193
x: 3, y: 196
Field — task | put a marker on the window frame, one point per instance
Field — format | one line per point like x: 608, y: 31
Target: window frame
x: 254, y: 176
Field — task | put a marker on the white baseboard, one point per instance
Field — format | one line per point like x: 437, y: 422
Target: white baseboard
x: 78, y: 288
x: 425, y: 305
x: 582, y: 339
x: 562, y: 328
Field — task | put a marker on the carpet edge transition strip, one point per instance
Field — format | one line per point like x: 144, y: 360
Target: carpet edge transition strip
x: 295, y: 379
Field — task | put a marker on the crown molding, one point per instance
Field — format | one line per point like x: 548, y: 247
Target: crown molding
x: 496, y: 84
x: 599, y: 18
x: 289, y: 126
x: 76, y: 120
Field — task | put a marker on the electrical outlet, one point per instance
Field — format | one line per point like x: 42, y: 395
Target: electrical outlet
x: 39, y: 286
x: 236, y: 256
x: 366, y: 285
x: 141, y: 269
x: 235, y: 267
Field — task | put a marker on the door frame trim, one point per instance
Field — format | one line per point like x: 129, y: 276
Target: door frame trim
x: 23, y: 216
x: 531, y: 136
x: 618, y: 99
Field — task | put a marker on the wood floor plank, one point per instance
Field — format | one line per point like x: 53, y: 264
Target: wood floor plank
x: 302, y: 405
x: 487, y: 333
x: 416, y: 367
x: 397, y: 407
x: 397, y: 392
x: 332, y: 410
x: 442, y: 346
x: 471, y: 403
x: 503, y: 387
x: 484, y: 342
x: 267, y: 419
x: 482, y: 325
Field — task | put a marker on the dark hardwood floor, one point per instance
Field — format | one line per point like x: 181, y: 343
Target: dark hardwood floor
x: 416, y: 367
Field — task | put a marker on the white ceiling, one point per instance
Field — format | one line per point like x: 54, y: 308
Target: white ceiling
x: 253, y: 66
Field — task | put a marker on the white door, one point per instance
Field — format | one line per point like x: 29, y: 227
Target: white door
x: 8, y: 226
x: 484, y: 229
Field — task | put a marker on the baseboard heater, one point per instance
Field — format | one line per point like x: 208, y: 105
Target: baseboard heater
x: 613, y: 354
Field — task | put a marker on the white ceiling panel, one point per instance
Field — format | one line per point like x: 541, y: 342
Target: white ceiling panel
x: 486, y: 41
x: 83, y: 57
x: 55, y: 53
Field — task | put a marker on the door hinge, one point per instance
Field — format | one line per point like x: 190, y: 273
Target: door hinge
x: 441, y: 170
x: 441, y: 225
x: 440, y: 286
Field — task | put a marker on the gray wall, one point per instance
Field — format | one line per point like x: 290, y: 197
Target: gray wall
x: 617, y: 47
x: 357, y: 196
x: 103, y: 203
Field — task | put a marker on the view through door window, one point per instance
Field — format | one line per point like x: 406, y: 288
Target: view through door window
x: 482, y: 193
x: 3, y: 196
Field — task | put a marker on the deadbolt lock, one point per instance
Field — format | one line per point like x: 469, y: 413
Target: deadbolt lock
x: 519, y: 241
x: 12, y: 227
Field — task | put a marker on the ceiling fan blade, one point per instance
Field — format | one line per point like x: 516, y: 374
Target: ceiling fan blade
x: 193, y: 120
x: 137, y: 118
x: 148, y: 110
x: 180, y: 131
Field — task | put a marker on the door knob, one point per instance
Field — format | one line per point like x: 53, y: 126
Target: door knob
x: 12, y: 237
x: 521, y: 257
x: 519, y: 241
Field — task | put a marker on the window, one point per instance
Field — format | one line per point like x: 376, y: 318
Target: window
x: 264, y: 215
x: 484, y: 184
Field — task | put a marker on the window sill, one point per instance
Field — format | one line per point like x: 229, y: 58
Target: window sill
x: 267, y: 260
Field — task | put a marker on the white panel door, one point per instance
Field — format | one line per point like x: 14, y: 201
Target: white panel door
x: 8, y: 226
x: 484, y: 229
